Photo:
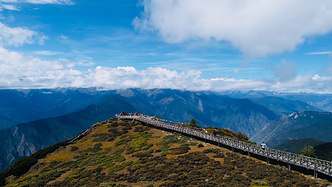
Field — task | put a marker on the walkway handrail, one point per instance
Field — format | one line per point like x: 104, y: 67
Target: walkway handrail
x: 317, y: 165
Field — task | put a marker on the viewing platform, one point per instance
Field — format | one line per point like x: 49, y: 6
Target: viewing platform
x: 308, y: 165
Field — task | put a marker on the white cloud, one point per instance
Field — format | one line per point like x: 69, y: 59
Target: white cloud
x: 71, y: 64
x: 220, y: 84
x: 8, y: 7
x: 129, y: 77
x: 8, y: 1
x: 63, y: 37
x: 20, y: 71
x: 306, y: 83
x: 256, y: 27
x: 85, y: 64
x: 18, y: 36
x: 11, y: 4
x: 61, y: 2
x: 47, y: 53
x: 320, y: 53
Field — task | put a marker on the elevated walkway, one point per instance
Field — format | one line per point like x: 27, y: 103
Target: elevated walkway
x: 308, y: 165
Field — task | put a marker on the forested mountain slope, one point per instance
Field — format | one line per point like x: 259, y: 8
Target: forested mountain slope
x: 283, y: 106
x: 22, y: 106
x: 298, y: 125
x: 25, y: 139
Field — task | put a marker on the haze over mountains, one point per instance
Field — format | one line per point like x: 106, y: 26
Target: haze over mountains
x: 320, y: 101
x: 257, y: 114
x: 21, y: 106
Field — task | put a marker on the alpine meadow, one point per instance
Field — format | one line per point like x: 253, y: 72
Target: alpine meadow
x: 165, y: 93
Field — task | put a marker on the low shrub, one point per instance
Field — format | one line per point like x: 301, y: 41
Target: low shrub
x: 142, y: 154
x: 180, y: 150
x: 95, y: 148
x: 121, y: 142
x: 74, y: 148
x: 116, y: 168
x: 141, y: 129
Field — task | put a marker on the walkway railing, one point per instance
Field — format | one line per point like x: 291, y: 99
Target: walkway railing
x: 317, y: 165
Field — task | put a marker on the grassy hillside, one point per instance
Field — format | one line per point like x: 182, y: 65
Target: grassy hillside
x: 119, y: 153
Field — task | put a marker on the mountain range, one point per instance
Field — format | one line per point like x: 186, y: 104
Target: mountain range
x: 308, y: 124
x: 22, y: 106
x: 320, y: 101
x: 68, y: 112
x: 209, y: 109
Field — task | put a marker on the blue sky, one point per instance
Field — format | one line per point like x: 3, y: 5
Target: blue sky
x: 179, y: 44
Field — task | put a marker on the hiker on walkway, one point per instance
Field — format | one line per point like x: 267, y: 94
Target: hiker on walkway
x: 263, y: 145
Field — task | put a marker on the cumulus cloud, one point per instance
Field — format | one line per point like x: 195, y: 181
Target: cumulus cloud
x: 256, y: 27
x: 156, y: 77
x: 306, y: 83
x: 18, y: 36
x: 128, y: 77
x: 20, y: 71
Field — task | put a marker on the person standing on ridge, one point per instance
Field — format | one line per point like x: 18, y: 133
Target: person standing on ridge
x: 263, y: 145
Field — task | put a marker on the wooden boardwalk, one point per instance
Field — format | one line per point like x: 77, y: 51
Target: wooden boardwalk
x: 316, y: 166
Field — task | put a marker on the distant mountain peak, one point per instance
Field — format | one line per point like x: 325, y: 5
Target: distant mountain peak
x: 306, y: 124
x: 125, y: 93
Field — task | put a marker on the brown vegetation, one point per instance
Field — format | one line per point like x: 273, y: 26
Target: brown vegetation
x: 122, y: 153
